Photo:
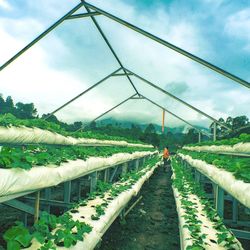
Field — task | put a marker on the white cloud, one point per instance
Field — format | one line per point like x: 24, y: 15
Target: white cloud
x: 238, y: 26
x: 5, y: 5
x: 38, y: 77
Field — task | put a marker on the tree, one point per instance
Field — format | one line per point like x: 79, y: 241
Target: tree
x: 239, y: 121
x: 25, y: 111
x: 8, y: 106
x: 191, y: 136
x: 2, y: 104
x: 150, y: 129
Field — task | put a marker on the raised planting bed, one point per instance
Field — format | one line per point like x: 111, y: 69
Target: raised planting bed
x: 234, y: 179
x: 16, y: 180
x: 83, y: 226
x: 239, y: 146
x: 199, y: 224
x: 38, y: 131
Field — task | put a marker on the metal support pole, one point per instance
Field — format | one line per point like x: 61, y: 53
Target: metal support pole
x: 67, y: 191
x: 235, y: 210
x: 178, y: 99
x: 156, y: 104
x: 169, y: 45
x: 84, y: 92
x: 47, y: 197
x: 25, y: 219
x: 214, y: 131
x: 197, y: 176
x: 143, y: 160
x: 110, y: 47
x: 37, y: 205
x: 113, y: 174
x: 124, y: 168
x: 53, y: 26
x: 106, y: 175
x: 93, y: 181
x: 136, y: 162
x: 219, y: 201
x: 199, y: 137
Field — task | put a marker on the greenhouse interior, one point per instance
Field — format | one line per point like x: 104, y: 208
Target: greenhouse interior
x: 124, y: 125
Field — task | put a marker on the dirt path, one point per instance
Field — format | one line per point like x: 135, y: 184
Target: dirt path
x: 152, y: 224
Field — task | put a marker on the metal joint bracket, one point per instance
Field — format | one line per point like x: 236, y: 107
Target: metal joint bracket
x: 76, y: 16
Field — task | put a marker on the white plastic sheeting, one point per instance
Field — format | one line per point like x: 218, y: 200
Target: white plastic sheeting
x: 100, y: 226
x: 237, y: 188
x: 14, y: 181
x: 206, y: 226
x: 25, y: 135
x: 237, y: 148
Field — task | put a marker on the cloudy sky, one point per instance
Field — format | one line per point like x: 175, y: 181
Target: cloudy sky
x: 74, y: 56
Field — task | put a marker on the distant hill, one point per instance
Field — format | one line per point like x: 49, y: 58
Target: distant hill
x: 128, y: 124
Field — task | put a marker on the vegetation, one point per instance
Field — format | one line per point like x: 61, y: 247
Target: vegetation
x: 240, y: 167
x: 239, y: 124
x: 27, y: 157
x: 52, y: 231
x: 232, y: 141
x: 186, y: 186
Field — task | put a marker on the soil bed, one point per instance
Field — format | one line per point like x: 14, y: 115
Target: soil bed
x: 152, y: 224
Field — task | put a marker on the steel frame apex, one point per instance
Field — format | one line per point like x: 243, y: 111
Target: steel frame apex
x: 169, y: 45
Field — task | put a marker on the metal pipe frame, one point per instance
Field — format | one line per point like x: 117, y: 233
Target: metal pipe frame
x: 84, y: 92
x: 161, y: 107
x: 43, y: 34
x: 82, y: 15
x: 110, y: 47
x: 178, y: 99
x: 169, y: 45
x: 119, y: 104
x: 123, y: 74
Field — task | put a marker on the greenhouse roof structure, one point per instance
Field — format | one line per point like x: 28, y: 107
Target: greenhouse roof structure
x: 93, y: 11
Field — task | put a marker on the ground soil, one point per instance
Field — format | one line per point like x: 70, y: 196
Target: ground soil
x: 152, y: 224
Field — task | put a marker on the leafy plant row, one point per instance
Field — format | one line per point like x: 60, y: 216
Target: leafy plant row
x: 8, y: 120
x: 52, y: 231
x: 29, y: 156
x: 238, y: 166
x: 187, y: 188
x: 232, y: 141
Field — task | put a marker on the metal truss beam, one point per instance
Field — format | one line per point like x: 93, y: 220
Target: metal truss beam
x: 84, y: 92
x: 82, y: 15
x: 169, y: 45
x: 20, y: 206
x: 156, y: 104
x: 49, y: 202
x: 43, y: 34
x: 110, y: 47
x: 178, y: 99
x: 106, y: 112
x: 122, y: 74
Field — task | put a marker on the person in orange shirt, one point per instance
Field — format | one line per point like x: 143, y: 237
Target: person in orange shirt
x: 166, y: 156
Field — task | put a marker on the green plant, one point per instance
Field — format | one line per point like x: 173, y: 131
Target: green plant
x: 17, y: 236
x: 239, y: 166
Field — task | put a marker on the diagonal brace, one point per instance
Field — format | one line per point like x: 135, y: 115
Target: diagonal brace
x: 110, y: 47
x: 43, y: 34
x: 179, y: 100
x: 169, y: 45
x: 106, y: 112
x: 156, y: 104
x: 84, y: 92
